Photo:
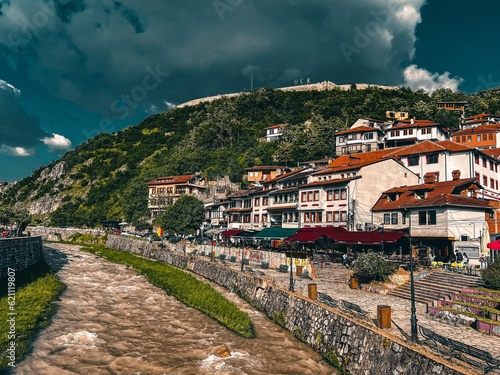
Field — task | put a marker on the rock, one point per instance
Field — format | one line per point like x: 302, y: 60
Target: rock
x: 221, y: 351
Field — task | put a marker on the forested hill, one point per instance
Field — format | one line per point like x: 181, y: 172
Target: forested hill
x: 106, y: 177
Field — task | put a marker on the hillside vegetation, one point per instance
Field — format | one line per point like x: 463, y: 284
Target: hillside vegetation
x: 106, y: 177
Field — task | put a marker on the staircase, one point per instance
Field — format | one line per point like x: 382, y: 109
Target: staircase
x: 437, y: 285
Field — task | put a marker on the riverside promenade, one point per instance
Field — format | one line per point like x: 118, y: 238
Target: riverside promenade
x: 333, y: 280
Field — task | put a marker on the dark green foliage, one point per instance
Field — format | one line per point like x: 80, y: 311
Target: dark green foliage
x: 184, y: 217
x: 110, y: 171
x: 491, y: 276
x: 372, y: 267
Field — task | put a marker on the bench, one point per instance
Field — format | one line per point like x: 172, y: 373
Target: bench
x: 283, y: 268
x: 459, y: 350
x: 327, y: 300
x: 355, y: 308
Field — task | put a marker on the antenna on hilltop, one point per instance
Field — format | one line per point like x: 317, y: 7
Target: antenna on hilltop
x: 251, y: 83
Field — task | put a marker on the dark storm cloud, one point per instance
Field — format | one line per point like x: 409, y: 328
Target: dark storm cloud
x: 119, y: 56
x: 17, y: 128
x: 21, y: 133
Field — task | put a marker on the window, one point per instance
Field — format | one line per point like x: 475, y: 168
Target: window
x: 368, y: 136
x: 256, y: 202
x: 457, y: 139
x: 490, y: 137
x: 316, y: 195
x: 484, y: 162
x: 491, y: 166
x: 329, y: 217
x: 412, y: 160
x: 336, y: 217
x: 306, y: 217
x: 343, y: 194
x: 387, y: 218
x: 427, y: 217
x: 478, y: 176
x: 492, y: 183
x: 485, y: 137
x: 303, y: 196
x: 343, y: 216
x: 403, y: 218
x: 264, y: 218
x: 256, y: 218
x: 463, y: 138
x: 478, y: 138
x: 265, y: 201
x: 329, y: 195
x: 309, y: 196
x: 485, y: 180
x: 469, y: 138
x: 476, y: 159
x: 432, y: 159
x: 394, y: 219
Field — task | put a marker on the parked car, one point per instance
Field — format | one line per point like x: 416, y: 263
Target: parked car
x: 202, y: 241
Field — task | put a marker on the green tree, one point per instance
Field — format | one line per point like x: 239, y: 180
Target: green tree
x: 184, y: 217
x: 372, y: 266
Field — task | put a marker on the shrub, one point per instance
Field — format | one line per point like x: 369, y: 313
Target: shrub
x: 491, y: 276
x: 372, y: 267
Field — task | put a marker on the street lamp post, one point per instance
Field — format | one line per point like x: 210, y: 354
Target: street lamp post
x: 413, y: 318
x: 243, y: 254
x: 291, y: 269
x: 383, y: 249
x: 473, y: 230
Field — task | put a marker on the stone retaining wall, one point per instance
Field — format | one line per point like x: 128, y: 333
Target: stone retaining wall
x: 355, y: 346
x: 19, y: 253
x: 61, y: 234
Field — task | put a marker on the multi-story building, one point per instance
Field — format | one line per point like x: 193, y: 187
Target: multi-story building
x: 274, y: 132
x: 407, y: 132
x: 443, y: 158
x: 481, y: 136
x: 365, y: 135
x: 480, y: 119
x: 435, y: 213
x: 457, y: 107
x: 164, y: 191
x: 261, y: 173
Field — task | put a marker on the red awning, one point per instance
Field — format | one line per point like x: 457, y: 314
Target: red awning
x: 495, y: 245
x: 312, y: 234
x: 366, y: 238
x: 232, y: 232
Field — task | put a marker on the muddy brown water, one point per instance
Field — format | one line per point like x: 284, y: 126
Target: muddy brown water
x: 112, y: 321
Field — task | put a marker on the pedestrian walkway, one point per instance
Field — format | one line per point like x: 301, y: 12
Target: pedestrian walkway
x: 327, y: 281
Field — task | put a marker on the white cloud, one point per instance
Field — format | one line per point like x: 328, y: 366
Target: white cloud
x: 16, y: 151
x: 418, y: 78
x: 57, y: 143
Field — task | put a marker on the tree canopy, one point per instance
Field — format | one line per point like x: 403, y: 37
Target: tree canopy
x: 182, y: 218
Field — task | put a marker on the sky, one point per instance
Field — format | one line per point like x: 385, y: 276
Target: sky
x: 70, y: 69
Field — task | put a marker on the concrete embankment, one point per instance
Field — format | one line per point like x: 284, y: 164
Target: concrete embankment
x: 355, y: 345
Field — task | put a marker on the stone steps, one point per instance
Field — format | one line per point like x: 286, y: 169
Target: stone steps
x: 437, y: 285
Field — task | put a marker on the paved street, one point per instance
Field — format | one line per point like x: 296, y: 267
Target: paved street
x: 330, y: 280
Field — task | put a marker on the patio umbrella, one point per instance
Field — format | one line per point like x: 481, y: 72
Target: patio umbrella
x: 495, y: 245
x: 485, y: 238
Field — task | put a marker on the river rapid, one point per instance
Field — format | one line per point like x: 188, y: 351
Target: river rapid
x: 112, y: 321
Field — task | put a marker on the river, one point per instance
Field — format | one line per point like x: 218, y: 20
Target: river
x: 112, y: 321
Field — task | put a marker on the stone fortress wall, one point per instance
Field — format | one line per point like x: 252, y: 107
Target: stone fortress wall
x: 357, y: 346
x: 19, y: 253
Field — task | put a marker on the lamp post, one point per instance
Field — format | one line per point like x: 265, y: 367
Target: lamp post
x: 413, y: 318
x: 383, y: 249
x: 473, y: 230
x: 243, y: 254
x: 291, y: 270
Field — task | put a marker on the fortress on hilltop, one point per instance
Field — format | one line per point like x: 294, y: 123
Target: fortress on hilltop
x: 320, y: 86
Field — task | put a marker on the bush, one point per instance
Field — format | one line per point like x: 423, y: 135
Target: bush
x: 491, y: 276
x: 372, y: 267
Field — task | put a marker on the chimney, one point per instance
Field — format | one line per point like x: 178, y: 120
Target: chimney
x: 456, y: 174
x: 429, y: 178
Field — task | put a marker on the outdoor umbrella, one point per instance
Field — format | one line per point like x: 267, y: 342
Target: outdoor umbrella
x: 495, y: 245
x: 485, y: 239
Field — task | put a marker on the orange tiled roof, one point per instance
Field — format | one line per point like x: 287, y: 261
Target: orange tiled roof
x: 282, y: 176
x: 352, y: 161
x: 491, y: 128
x: 277, y: 126
x: 493, y: 152
x: 406, y: 194
x: 171, y: 179
x: 429, y: 147
x: 359, y: 129
x: 330, y: 182
x: 404, y: 124
x: 449, y: 200
x: 264, y: 167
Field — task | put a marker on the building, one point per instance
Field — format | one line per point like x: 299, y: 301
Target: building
x: 261, y: 173
x: 481, y: 136
x: 445, y: 158
x: 407, y: 132
x: 274, y: 132
x: 164, y: 191
x: 435, y: 214
x: 480, y: 119
x: 458, y: 106
x: 365, y: 135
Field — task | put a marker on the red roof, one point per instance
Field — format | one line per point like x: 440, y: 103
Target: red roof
x: 358, y: 160
x: 277, y: 126
x: 427, y: 147
x: 493, y: 152
x: 359, y: 129
x: 172, y: 179
x: 493, y: 128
